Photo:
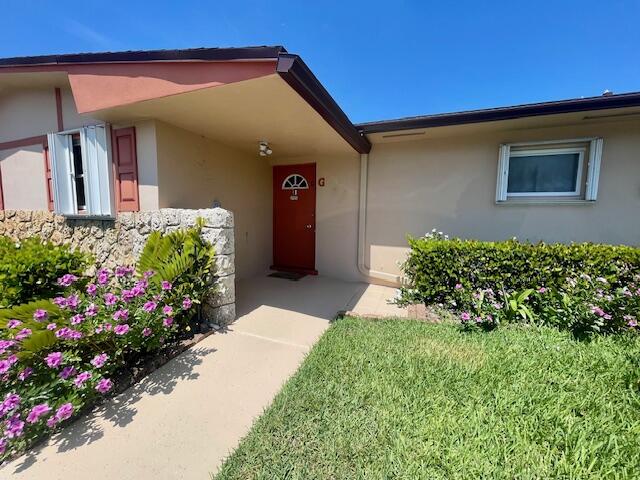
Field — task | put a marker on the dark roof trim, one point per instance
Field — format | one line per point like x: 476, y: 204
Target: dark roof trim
x: 203, y: 54
x: 296, y: 73
x: 504, y: 113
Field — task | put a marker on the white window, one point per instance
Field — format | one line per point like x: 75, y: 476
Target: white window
x: 81, y: 172
x: 558, y: 170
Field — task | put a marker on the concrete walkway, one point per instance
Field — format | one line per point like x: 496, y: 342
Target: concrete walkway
x: 181, y: 421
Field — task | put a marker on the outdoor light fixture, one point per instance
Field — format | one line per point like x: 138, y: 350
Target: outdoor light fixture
x: 264, y: 150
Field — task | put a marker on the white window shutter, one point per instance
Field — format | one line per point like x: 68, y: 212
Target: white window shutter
x: 62, y: 174
x: 503, y: 173
x: 97, y: 171
x: 593, y: 173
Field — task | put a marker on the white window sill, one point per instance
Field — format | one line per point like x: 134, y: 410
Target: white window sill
x: 543, y: 201
x: 89, y: 217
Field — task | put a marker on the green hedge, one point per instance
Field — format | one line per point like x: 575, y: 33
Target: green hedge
x: 29, y: 270
x: 436, y: 265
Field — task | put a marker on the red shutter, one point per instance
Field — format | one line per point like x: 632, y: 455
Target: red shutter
x: 47, y: 176
x: 126, y: 169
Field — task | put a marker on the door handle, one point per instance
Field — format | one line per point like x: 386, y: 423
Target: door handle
x: 308, y: 225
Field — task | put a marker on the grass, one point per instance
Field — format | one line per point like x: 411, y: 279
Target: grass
x: 406, y: 399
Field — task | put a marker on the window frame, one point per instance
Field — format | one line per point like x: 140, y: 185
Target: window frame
x: 97, y: 172
x: 547, y: 152
x: 588, y: 182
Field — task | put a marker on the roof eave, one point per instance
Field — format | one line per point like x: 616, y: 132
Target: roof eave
x: 296, y: 73
x: 193, y: 54
x: 504, y: 113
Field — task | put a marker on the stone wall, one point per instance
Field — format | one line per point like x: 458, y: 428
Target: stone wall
x: 120, y: 242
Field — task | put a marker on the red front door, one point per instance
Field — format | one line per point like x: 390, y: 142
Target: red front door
x: 294, y: 218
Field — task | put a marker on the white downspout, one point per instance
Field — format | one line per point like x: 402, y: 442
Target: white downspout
x: 362, y: 227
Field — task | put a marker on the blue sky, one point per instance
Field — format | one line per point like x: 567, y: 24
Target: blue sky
x: 378, y: 59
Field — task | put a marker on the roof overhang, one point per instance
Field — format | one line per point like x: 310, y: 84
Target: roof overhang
x: 578, y: 105
x: 113, y: 84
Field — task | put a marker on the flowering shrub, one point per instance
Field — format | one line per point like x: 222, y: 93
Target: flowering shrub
x: 489, y: 283
x: 57, y: 356
x: 29, y: 269
x: 436, y: 264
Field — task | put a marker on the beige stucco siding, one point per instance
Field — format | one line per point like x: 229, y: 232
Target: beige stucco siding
x: 27, y: 113
x: 193, y: 172
x: 23, y: 178
x: 449, y: 184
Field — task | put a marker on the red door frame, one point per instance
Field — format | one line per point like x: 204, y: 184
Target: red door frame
x: 274, y: 266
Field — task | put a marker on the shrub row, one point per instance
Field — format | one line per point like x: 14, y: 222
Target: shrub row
x: 585, y: 288
x: 436, y: 265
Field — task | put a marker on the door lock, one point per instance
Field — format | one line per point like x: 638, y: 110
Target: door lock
x: 308, y: 225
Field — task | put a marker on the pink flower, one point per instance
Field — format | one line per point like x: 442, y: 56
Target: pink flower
x: 60, y: 302
x: 13, y: 323
x: 52, y: 326
x: 40, y: 315
x: 110, y: 299
x: 37, y: 411
x: 5, y: 365
x: 5, y: 345
x: 166, y: 285
x: 146, y: 331
x: 127, y: 295
x: 77, y: 319
x: 65, y: 411
x: 3, y: 445
x: 10, y: 402
x: 186, y: 303
x: 598, y: 311
x: 122, y: 314
x: 92, y: 310
x: 15, y: 426
x: 92, y: 289
x: 148, y: 274
x: 99, y: 360
x: 81, y: 378
x: 458, y: 286
x: 103, y: 276
x: 54, y: 359
x: 67, y: 372
x: 123, y: 271
x: 24, y: 333
x: 104, y: 385
x: 167, y: 322
x: 542, y: 290
x: 72, y: 301
x: 68, y: 334
x: 24, y: 374
x: 150, y: 306
x: 464, y: 316
x: 67, y: 279
x: 167, y: 310
x: 121, y: 329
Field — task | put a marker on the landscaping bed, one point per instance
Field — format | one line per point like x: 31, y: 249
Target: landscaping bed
x: 410, y: 399
x: 61, y: 355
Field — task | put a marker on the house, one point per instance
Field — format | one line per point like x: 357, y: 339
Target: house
x: 253, y: 130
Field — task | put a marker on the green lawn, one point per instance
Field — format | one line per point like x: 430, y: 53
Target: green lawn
x: 406, y: 399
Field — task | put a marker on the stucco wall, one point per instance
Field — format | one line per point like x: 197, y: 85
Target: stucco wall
x: 449, y: 183
x: 193, y: 172
x: 120, y: 242
x: 32, y: 112
x: 336, y: 212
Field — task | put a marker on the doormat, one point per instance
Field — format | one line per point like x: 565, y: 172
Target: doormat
x: 293, y: 276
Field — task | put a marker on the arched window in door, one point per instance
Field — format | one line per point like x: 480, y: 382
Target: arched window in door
x: 295, y: 181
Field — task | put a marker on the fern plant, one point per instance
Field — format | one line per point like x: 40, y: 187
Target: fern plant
x: 182, y: 258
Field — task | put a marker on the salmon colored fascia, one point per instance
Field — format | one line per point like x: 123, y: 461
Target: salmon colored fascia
x: 100, y: 86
